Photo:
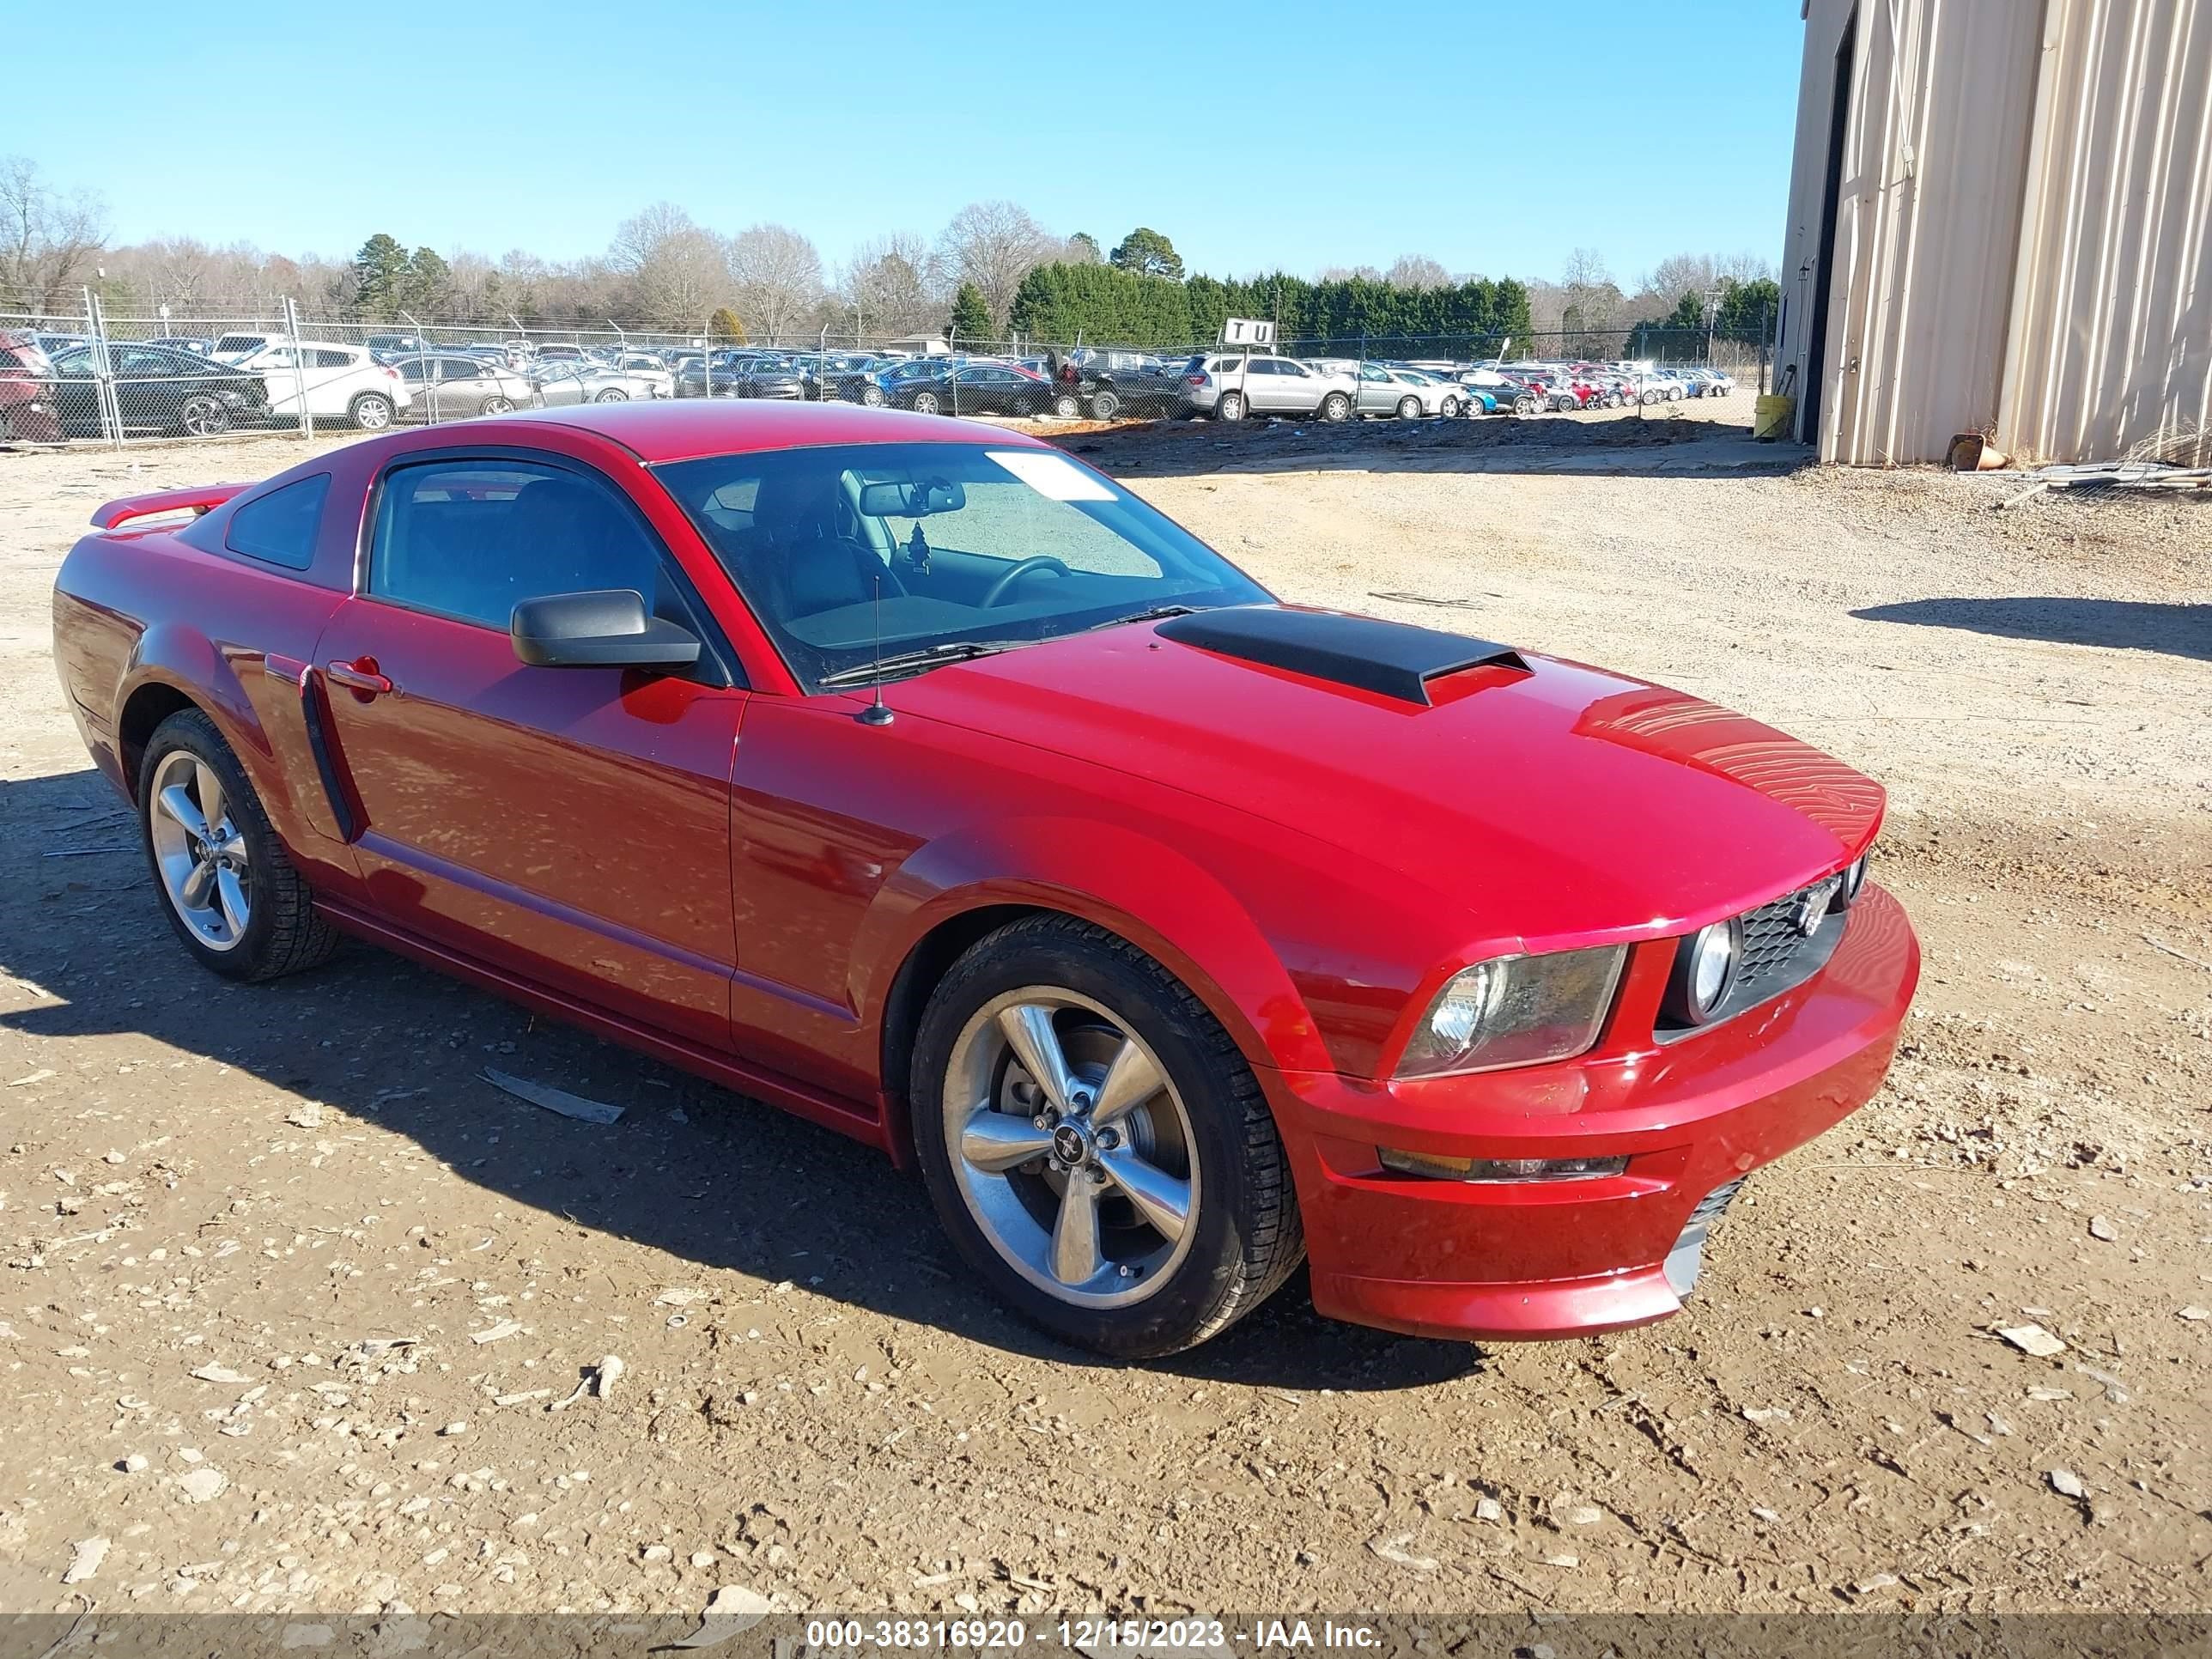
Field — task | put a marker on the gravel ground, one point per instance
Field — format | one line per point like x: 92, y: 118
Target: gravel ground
x: 292, y: 1304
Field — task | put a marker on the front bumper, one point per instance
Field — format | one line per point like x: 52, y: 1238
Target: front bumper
x: 1534, y: 1259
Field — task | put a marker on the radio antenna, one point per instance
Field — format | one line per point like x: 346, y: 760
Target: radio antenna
x: 875, y: 714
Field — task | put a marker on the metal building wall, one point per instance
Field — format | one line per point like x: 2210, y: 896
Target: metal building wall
x: 2022, y: 241
x: 1934, y: 153
x: 2111, y: 310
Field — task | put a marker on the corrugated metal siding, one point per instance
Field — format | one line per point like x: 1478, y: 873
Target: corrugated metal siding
x: 2024, y: 234
x: 1934, y: 156
x: 2113, y: 307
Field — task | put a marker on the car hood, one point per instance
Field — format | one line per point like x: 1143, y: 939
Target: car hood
x: 1544, y: 801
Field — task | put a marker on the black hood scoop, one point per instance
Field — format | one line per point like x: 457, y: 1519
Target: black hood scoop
x: 1396, y: 659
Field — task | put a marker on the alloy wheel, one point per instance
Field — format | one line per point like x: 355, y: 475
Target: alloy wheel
x: 203, y: 417
x: 202, y: 855
x: 1071, y: 1149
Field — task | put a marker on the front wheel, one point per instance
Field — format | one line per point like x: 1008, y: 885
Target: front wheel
x: 1336, y: 407
x: 1409, y: 409
x: 1524, y: 405
x: 872, y: 397
x: 1105, y: 406
x: 230, y: 890
x: 613, y: 394
x: 202, y: 416
x: 497, y: 406
x: 1449, y: 408
x: 370, y: 412
x: 1093, y: 1143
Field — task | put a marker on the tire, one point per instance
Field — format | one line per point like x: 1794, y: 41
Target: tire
x: 1066, y: 405
x: 872, y: 397
x: 613, y: 394
x: 281, y: 932
x: 1201, y: 1145
x: 925, y: 403
x: 1524, y: 405
x: 1648, y: 399
x: 1229, y: 407
x: 202, y: 415
x: 1612, y: 400
x: 1674, y: 394
x: 1409, y: 409
x: 497, y: 406
x: 1105, y: 406
x: 1449, y: 408
x: 371, y: 411
x: 1335, y: 407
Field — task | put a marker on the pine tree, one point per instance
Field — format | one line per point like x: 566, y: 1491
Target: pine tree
x: 971, y: 314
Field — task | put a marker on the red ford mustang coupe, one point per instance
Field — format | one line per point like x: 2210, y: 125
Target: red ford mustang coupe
x: 918, y: 779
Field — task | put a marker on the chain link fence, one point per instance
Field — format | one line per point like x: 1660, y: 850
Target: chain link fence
x: 101, y: 378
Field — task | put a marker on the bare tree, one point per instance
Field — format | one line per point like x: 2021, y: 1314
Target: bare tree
x: 777, y: 277
x: 46, y: 239
x: 995, y: 245
x: 1349, y: 273
x: 677, y: 272
x: 1592, y: 301
x: 895, y: 285
x: 1417, y: 270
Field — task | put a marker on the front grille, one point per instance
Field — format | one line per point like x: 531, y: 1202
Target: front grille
x: 1771, y: 943
x: 1777, y: 956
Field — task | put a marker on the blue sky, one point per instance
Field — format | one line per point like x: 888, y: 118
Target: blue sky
x: 1296, y: 134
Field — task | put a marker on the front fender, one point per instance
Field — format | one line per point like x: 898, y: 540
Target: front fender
x: 1158, y: 899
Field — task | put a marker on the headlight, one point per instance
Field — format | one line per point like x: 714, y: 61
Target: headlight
x: 1515, y: 1010
x: 1854, y: 878
x: 1705, y: 966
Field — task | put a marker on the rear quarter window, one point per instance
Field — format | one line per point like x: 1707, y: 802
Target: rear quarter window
x: 280, y: 527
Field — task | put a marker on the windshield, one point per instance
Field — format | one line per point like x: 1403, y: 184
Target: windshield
x: 965, y: 544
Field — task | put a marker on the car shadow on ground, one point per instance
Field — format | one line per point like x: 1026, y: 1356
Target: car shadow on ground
x: 690, y: 1169
x: 2176, y: 630
x: 1651, y: 445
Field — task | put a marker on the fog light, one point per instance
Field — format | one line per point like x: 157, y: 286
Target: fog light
x: 1499, y: 1168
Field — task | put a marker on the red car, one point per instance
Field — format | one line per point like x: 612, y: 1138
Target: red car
x: 920, y: 780
x: 27, y: 391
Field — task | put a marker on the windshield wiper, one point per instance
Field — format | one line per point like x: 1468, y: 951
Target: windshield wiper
x: 914, y: 662
x: 1157, y: 613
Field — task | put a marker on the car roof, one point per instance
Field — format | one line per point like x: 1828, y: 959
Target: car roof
x: 680, y: 430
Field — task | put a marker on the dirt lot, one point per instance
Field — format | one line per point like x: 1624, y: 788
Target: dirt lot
x: 214, y: 1198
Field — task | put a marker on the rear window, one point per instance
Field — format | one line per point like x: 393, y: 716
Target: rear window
x: 281, y: 526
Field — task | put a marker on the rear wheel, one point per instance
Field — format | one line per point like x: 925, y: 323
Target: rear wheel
x: 371, y: 411
x: 1066, y: 406
x: 1524, y: 405
x: 872, y: 397
x: 1409, y: 409
x: 497, y: 406
x: 613, y: 394
x: 1105, y: 406
x: 1336, y: 407
x: 1449, y: 408
x: 230, y: 890
x: 1648, y: 399
x: 1231, y: 406
x: 925, y: 403
x: 1095, y: 1145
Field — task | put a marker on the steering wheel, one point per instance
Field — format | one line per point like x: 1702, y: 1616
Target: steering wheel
x: 999, y: 589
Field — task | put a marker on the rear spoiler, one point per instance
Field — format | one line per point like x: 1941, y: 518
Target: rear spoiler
x: 197, y: 500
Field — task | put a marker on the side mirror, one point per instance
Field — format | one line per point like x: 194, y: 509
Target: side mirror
x: 605, y: 628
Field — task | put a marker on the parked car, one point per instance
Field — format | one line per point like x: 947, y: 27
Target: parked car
x: 1505, y: 393
x: 1438, y: 396
x: 157, y: 392
x: 393, y: 345
x: 451, y: 386
x: 972, y: 389
x: 27, y: 413
x: 1170, y: 932
x: 561, y: 383
x: 1111, y: 385
x: 198, y: 343
x: 761, y: 377
x: 652, y: 367
x: 1386, y: 391
x: 343, y: 382
x: 1229, y: 385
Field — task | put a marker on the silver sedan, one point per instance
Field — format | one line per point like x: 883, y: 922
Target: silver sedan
x: 561, y: 383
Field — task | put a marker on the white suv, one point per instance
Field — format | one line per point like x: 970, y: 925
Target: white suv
x: 343, y: 382
x: 1230, y: 386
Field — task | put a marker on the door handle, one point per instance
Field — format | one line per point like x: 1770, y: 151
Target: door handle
x: 359, y: 677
